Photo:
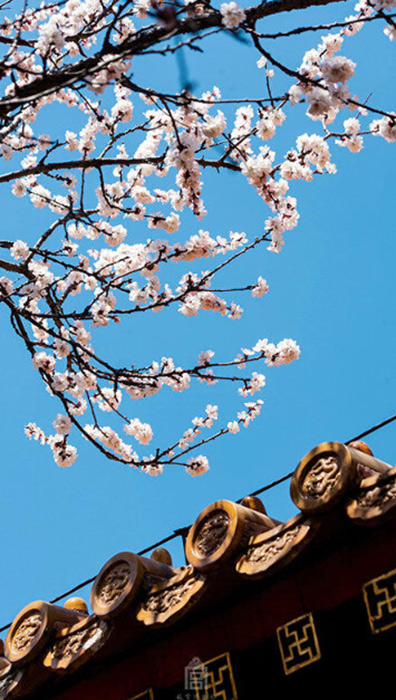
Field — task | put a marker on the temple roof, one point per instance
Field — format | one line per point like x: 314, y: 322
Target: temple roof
x: 235, y: 552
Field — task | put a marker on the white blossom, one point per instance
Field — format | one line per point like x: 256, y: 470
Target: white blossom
x: 20, y: 250
x: 232, y: 14
x: 195, y: 466
x: 62, y: 424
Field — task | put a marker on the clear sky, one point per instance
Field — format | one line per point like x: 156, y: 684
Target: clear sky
x: 331, y: 289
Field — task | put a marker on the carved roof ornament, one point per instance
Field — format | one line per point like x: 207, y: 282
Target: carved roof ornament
x: 375, y: 500
x: 170, y: 600
x: 120, y: 580
x: 272, y: 550
x: 75, y: 645
x: 327, y: 473
x: 32, y: 628
x: 220, y: 530
x: 9, y: 675
x: 10, y: 681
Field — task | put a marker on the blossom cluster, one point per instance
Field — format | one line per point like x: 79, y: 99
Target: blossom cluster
x: 97, y: 179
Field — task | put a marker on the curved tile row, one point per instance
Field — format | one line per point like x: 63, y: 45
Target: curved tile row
x: 228, y: 544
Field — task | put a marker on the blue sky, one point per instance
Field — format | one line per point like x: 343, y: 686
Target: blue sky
x: 331, y: 289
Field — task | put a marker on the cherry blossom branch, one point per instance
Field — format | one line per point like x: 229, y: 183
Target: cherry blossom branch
x: 86, y: 271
